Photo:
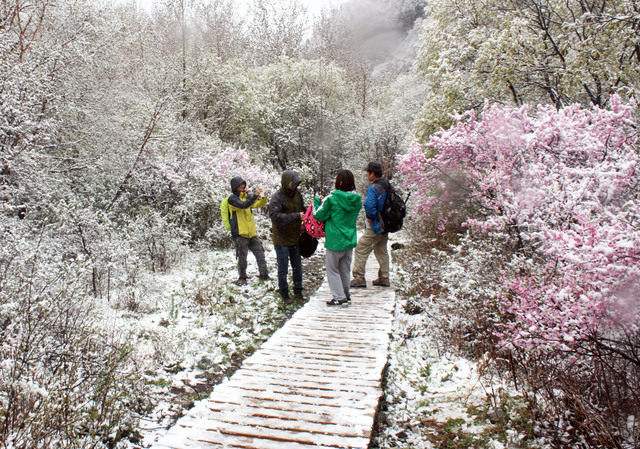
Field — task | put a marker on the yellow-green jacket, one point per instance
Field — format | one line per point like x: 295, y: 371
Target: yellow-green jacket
x: 240, y: 213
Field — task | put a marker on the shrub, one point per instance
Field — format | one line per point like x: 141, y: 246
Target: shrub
x: 555, y: 299
x: 65, y: 380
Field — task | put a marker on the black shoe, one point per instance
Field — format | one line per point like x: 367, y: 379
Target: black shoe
x: 298, y: 297
x: 336, y: 302
x: 266, y: 277
x: 241, y: 281
x: 286, y: 299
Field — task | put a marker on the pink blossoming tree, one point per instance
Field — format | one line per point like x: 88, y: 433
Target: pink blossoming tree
x: 561, y: 184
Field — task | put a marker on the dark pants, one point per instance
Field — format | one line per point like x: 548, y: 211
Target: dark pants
x: 286, y: 254
x: 243, y: 245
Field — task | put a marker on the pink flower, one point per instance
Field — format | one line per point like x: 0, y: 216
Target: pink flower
x: 563, y: 184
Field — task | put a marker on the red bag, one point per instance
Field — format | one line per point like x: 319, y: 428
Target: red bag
x: 313, y: 227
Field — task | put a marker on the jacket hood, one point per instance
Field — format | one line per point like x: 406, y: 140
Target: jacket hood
x: 348, y: 201
x: 290, y: 181
x: 235, y: 183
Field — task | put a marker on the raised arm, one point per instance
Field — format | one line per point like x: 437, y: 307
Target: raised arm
x: 236, y: 202
x: 260, y: 202
x: 324, y: 211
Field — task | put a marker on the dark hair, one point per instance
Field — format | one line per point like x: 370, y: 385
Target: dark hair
x: 375, y: 168
x: 345, y: 181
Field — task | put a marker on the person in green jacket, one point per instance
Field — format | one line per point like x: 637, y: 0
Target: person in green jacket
x: 339, y: 213
x: 243, y: 228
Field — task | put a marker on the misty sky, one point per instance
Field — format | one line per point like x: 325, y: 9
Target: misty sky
x: 313, y: 6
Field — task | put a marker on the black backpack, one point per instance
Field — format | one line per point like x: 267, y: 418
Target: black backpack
x: 307, y: 245
x: 395, y: 209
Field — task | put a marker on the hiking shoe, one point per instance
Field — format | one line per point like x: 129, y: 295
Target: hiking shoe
x: 241, y: 281
x: 266, y: 277
x: 286, y: 299
x: 336, y: 302
x: 298, y: 297
x: 358, y: 283
x: 382, y: 282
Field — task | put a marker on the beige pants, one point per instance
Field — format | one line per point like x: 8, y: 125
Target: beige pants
x: 370, y: 241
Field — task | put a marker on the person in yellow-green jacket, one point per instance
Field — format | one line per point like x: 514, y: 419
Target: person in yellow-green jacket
x: 243, y: 228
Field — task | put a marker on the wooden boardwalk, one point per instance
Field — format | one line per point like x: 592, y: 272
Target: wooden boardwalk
x: 316, y: 383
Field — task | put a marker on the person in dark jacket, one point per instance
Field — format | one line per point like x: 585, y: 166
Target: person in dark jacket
x: 374, y: 238
x: 243, y: 228
x: 286, y: 210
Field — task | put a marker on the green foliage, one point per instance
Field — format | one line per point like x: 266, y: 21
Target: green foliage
x: 301, y: 111
x: 511, y: 415
x: 553, y: 51
x: 452, y: 435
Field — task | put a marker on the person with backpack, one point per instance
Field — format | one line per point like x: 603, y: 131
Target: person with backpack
x: 242, y: 225
x: 286, y: 210
x: 339, y: 213
x: 375, y: 238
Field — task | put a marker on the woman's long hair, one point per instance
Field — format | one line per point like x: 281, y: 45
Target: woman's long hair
x: 345, y: 181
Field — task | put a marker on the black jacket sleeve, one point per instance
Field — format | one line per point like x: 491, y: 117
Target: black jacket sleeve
x: 276, y: 212
x: 235, y: 201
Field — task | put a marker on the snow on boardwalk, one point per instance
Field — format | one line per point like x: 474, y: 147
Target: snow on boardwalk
x: 315, y: 383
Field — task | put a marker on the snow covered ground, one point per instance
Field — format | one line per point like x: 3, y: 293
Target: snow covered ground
x: 436, y: 399
x: 191, y: 327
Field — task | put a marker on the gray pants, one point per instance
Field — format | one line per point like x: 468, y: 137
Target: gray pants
x: 243, y: 245
x: 338, y: 266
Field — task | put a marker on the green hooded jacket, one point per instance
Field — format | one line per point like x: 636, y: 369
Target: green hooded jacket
x: 339, y: 212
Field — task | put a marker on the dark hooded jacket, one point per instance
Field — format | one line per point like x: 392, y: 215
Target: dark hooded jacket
x: 240, y: 214
x: 284, y: 210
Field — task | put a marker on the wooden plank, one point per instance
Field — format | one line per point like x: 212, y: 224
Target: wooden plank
x: 342, y: 313
x: 314, y: 359
x: 301, y: 372
x: 288, y: 353
x: 326, y: 413
x: 299, y: 396
x: 344, y: 352
x: 315, y: 384
x: 232, y: 393
x: 261, y: 378
x: 315, y: 415
x: 279, y: 423
x: 347, y: 328
x: 323, y: 343
x: 203, y: 439
x: 328, y: 382
x: 299, y: 391
x: 318, y: 370
x: 379, y: 342
x: 278, y: 435
x: 328, y: 334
